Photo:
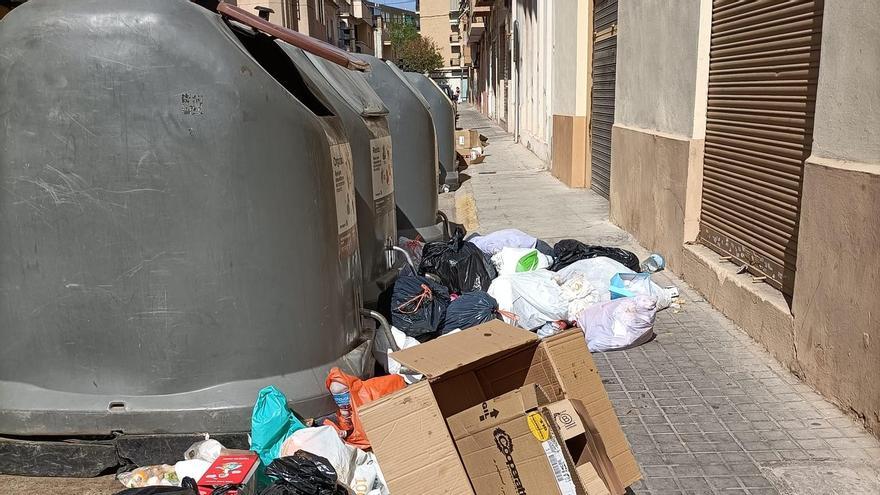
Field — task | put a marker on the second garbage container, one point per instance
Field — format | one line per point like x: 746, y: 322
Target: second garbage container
x: 443, y: 114
x: 414, y: 151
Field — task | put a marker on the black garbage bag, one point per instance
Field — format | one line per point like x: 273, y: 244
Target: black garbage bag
x: 303, y: 473
x: 417, y: 306
x: 188, y: 487
x: 459, y: 264
x: 469, y: 310
x: 567, y: 251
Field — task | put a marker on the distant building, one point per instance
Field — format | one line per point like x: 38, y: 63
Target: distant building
x: 440, y: 22
x: 385, y: 17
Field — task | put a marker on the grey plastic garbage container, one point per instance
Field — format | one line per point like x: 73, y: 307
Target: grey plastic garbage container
x: 175, y: 233
x: 362, y: 116
x: 443, y: 113
x: 414, y: 149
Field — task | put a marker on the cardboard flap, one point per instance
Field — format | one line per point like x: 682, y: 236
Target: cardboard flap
x: 496, y: 411
x: 473, y: 346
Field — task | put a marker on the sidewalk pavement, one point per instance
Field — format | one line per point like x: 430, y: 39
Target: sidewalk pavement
x: 704, y: 407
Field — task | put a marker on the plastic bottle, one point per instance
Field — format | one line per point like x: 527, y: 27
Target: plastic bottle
x: 653, y: 264
x: 342, y: 397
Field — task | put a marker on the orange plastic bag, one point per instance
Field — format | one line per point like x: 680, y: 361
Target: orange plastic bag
x: 362, y: 392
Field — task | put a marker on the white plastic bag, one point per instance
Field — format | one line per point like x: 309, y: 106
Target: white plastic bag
x: 193, y: 468
x: 508, y: 260
x: 600, y: 270
x: 617, y: 324
x: 357, y: 469
x: 206, y: 450
x: 580, y: 295
x: 494, y: 242
x: 534, y: 297
x: 404, y: 341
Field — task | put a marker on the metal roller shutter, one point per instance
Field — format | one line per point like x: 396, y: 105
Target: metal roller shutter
x: 763, y: 66
x: 602, y: 106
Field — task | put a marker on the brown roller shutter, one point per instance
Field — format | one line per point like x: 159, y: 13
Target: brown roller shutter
x: 763, y: 66
x: 602, y: 94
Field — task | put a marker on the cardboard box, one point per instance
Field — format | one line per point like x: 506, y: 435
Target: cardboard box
x: 231, y: 469
x: 408, y: 430
x: 511, y: 444
x: 466, y: 139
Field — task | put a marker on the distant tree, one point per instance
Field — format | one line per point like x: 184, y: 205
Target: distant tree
x: 411, y: 51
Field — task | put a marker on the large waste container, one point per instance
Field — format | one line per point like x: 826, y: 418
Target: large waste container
x: 175, y: 233
x: 414, y: 150
x: 443, y: 113
x: 362, y: 116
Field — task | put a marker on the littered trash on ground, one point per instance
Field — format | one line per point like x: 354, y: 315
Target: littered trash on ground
x: 567, y: 251
x: 233, y: 473
x: 303, y: 473
x: 408, y: 429
x: 361, y: 392
x: 272, y: 422
x: 533, y: 297
x: 417, y: 306
x: 515, y: 260
x: 640, y: 284
x: 469, y: 310
x: 599, y: 272
x: 206, y: 450
x: 459, y: 264
x: 496, y: 241
x: 354, y: 467
x: 159, y: 475
x: 405, y: 342
x: 618, y: 324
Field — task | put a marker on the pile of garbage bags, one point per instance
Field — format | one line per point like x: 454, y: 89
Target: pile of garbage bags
x: 511, y: 275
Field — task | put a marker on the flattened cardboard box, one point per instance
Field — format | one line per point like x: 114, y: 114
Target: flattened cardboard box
x: 408, y: 431
x: 511, y: 445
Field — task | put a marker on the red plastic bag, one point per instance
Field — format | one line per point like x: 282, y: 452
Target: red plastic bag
x: 362, y: 392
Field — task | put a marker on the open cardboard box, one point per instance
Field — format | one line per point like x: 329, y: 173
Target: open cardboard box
x: 408, y: 430
x: 523, y: 441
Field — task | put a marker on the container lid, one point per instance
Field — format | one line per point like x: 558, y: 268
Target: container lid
x: 351, y: 86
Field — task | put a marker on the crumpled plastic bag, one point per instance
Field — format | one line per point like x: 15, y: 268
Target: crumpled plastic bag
x: 418, y: 306
x: 515, y: 260
x: 303, y: 473
x: 580, y: 294
x: 192, y: 468
x: 206, y: 450
x: 354, y: 467
x: 619, y: 323
x: 362, y: 392
x: 639, y: 284
x: 158, y: 475
x: 271, y: 423
x: 496, y: 241
x: 534, y: 298
x: 459, y: 264
x: 599, y: 272
x: 568, y: 251
x: 469, y: 310
x: 414, y: 248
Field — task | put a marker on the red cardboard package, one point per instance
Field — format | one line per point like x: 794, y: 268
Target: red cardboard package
x: 231, y: 469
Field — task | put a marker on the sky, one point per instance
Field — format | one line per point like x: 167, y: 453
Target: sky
x: 401, y: 4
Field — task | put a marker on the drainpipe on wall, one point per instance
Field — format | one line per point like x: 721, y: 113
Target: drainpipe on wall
x: 514, y: 57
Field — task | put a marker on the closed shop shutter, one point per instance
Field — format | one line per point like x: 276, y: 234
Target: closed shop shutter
x: 602, y: 95
x: 763, y: 66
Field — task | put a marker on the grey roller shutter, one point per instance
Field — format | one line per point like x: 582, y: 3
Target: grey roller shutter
x: 763, y: 66
x: 602, y: 94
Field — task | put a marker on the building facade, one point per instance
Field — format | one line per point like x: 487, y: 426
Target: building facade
x: 742, y: 142
x: 440, y: 22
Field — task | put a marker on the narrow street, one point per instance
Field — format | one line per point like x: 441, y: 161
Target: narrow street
x: 704, y: 407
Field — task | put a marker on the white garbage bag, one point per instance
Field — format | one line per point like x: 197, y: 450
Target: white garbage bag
x: 599, y: 272
x: 581, y: 294
x: 192, y: 468
x: 354, y: 467
x: 534, y: 297
x: 494, y: 242
x: 404, y: 341
x: 515, y: 260
x: 620, y: 323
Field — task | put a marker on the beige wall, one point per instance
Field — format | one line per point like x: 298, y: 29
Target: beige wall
x: 285, y: 13
x: 828, y: 333
x: 434, y: 22
x: 571, y: 37
x: 836, y: 303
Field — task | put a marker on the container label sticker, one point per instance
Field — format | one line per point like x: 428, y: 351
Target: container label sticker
x: 383, y: 174
x: 560, y: 468
x: 343, y: 185
x: 538, y: 426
